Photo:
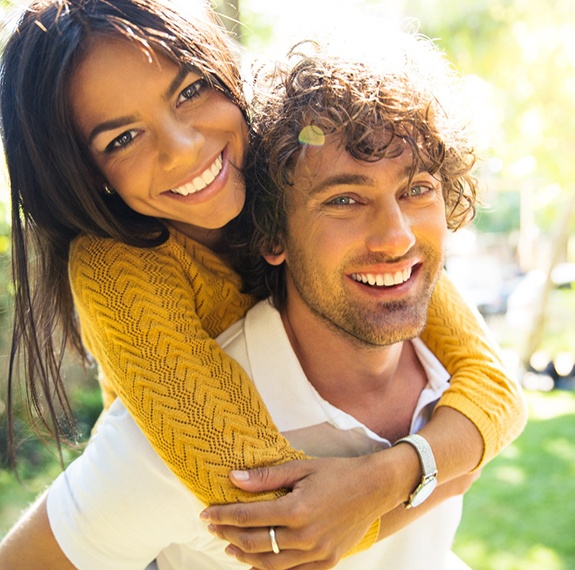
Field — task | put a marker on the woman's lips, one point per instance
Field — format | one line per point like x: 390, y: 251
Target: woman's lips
x: 201, y: 181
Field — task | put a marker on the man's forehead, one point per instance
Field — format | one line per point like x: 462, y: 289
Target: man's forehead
x: 321, y: 166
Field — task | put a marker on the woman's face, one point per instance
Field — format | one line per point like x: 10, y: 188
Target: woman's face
x: 166, y: 142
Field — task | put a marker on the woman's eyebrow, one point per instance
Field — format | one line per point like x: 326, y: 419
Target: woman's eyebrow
x: 116, y: 123
x: 176, y: 82
x: 110, y: 125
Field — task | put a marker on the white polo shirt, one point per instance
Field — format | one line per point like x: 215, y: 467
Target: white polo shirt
x: 118, y: 506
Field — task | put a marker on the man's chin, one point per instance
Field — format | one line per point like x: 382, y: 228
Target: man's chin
x: 395, y: 328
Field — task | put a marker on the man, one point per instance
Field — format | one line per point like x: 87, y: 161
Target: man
x: 369, y: 173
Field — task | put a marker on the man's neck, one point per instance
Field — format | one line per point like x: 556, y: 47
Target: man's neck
x: 378, y: 385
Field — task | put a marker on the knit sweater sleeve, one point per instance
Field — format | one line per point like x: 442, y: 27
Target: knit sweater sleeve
x: 148, y: 317
x: 480, y: 388
x: 141, y: 313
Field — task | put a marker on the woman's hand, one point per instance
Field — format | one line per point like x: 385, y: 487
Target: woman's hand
x: 332, y: 504
x: 330, y: 508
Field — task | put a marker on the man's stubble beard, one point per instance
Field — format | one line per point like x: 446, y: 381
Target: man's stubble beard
x: 375, y: 324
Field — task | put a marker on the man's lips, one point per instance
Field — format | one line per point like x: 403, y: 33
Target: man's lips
x: 202, y: 180
x: 383, y: 279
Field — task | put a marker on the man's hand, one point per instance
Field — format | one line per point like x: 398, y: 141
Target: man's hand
x: 332, y: 504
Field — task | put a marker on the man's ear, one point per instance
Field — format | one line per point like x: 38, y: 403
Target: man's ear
x: 275, y: 258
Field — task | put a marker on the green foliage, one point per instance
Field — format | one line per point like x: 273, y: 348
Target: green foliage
x: 40, y: 462
x: 500, y: 214
x: 525, y: 51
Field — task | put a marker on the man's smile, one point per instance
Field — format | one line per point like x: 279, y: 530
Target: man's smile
x: 382, y: 279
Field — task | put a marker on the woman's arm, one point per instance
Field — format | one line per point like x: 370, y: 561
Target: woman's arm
x: 147, y: 316
x: 481, y: 412
x: 480, y: 388
x: 333, y: 498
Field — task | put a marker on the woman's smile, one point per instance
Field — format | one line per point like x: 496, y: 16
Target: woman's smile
x: 202, y: 181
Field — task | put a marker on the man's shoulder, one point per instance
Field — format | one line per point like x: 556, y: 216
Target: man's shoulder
x: 235, y: 340
x: 232, y: 336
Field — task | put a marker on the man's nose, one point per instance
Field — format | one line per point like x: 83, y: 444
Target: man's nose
x: 179, y: 143
x: 390, y: 230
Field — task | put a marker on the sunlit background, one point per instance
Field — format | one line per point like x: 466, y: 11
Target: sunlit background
x: 516, y: 264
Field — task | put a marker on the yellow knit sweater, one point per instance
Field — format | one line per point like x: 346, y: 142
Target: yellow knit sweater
x: 148, y: 317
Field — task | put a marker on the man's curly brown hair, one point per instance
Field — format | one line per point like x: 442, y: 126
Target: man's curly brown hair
x: 375, y: 109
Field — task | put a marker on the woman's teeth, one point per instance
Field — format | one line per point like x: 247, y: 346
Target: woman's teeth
x: 200, y: 182
x: 382, y: 279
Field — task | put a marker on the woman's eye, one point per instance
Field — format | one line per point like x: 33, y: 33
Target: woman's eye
x: 192, y: 91
x: 342, y: 201
x: 123, y: 140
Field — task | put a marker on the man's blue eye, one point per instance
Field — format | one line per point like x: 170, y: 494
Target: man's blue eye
x: 342, y: 201
x: 419, y: 190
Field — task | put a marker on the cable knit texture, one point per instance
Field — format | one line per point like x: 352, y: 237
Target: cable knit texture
x: 480, y: 387
x: 148, y: 317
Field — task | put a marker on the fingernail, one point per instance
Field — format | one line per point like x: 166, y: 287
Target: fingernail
x: 212, y: 529
x: 241, y: 475
x: 205, y: 516
x: 231, y: 551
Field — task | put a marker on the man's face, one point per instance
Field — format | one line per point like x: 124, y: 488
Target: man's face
x: 364, y: 245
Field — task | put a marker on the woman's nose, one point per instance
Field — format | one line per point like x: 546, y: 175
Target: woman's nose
x: 179, y: 143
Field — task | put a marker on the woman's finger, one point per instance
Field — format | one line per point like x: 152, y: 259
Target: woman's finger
x: 260, y: 479
x: 250, y: 541
x: 285, y: 560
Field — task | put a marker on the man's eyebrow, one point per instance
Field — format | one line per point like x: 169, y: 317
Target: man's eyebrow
x: 116, y: 123
x: 360, y: 179
x: 341, y: 180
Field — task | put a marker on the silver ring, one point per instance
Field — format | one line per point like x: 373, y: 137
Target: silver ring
x: 275, y: 547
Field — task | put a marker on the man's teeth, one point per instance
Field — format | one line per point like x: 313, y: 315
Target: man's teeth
x: 201, y: 181
x: 383, y: 279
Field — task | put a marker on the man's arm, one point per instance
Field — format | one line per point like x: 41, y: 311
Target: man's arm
x: 31, y: 543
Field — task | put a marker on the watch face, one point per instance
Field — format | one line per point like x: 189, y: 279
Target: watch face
x: 423, y: 491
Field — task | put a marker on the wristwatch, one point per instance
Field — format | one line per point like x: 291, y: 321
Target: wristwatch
x: 429, y: 478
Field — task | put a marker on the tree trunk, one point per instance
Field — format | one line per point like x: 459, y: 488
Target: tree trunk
x: 558, y: 248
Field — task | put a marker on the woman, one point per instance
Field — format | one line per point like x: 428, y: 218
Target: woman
x: 120, y: 193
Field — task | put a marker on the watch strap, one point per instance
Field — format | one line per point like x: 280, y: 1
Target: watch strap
x: 423, y: 449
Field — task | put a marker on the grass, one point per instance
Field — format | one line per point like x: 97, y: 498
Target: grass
x: 520, y: 515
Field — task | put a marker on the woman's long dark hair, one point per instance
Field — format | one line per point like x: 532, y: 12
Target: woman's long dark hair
x: 56, y: 190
